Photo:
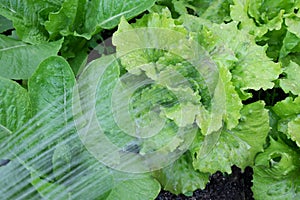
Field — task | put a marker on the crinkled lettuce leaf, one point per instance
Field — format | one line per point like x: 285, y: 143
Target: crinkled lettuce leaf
x: 258, y: 17
x: 291, y: 82
x: 180, y: 177
x: 133, y: 118
x: 216, y: 11
x: 276, y: 171
x: 205, y: 92
x: 237, y: 146
x: 251, y: 60
x: 288, y: 110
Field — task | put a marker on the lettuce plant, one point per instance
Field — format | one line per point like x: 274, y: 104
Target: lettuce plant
x: 191, y: 88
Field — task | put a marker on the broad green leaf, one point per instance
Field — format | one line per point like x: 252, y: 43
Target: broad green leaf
x: 51, y: 86
x: 106, y: 14
x: 266, y: 10
x: 88, y: 179
x: 19, y: 60
x: 218, y: 11
x: 104, y: 107
x: 288, y: 107
x: 233, y: 103
x: 133, y: 186
x: 14, y: 106
x: 14, y: 113
x: 5, y: 24
x: 49, y: 190
x: 238, y: 146
x: 15, y: 182
x: 180, y: 177
x: 257, y: 16
x: 50, y: 90
x: 145, y: 45
x: 290, y: 82
x: 275, y: 173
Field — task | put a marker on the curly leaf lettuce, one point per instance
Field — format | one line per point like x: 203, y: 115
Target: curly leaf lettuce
x: 181, y: 177
x: 185, y: 70
x: 238, y: 146
x: 288, y: 110
x: 290, y: 82
x: 276, y: 171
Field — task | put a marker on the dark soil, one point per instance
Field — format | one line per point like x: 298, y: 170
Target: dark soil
x: 234, y: 186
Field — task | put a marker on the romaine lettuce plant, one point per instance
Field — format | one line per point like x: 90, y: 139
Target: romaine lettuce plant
x: 190, y: 88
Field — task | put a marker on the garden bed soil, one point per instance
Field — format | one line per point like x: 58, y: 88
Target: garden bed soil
x: 234, y: 186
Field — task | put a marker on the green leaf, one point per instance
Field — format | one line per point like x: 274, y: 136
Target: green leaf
x: 88, y: 179
x: 239, y: 12
x: 15, y: 182
x: 61, y: 160
x: 293, y: 21
x: 14, y: 113
x: 217, y: 11
x: 251, y: 61
x: 293, y: 130
x: 133, y: 186
x: 104, y: 108
x: 290, y: 82
x: 226, y: 106
x: 51, y: 92
x: 275, y: 171
x: 106, y: 14
x: 180, y: 177
x: 92, y: 180
x: 5, y: 24
x: 289, y: 124
x: 252, y: 64
x: 288, y: 107
x: 67, y: 20
x: 20, y: 59
x: 143, y: 46
x: 257, y: 17
x: 290, y: 44
x: 238, y: 146
x: 14, y: 106
x: 51, y: 86
x: 49, y: 190
x: 28, y: 16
